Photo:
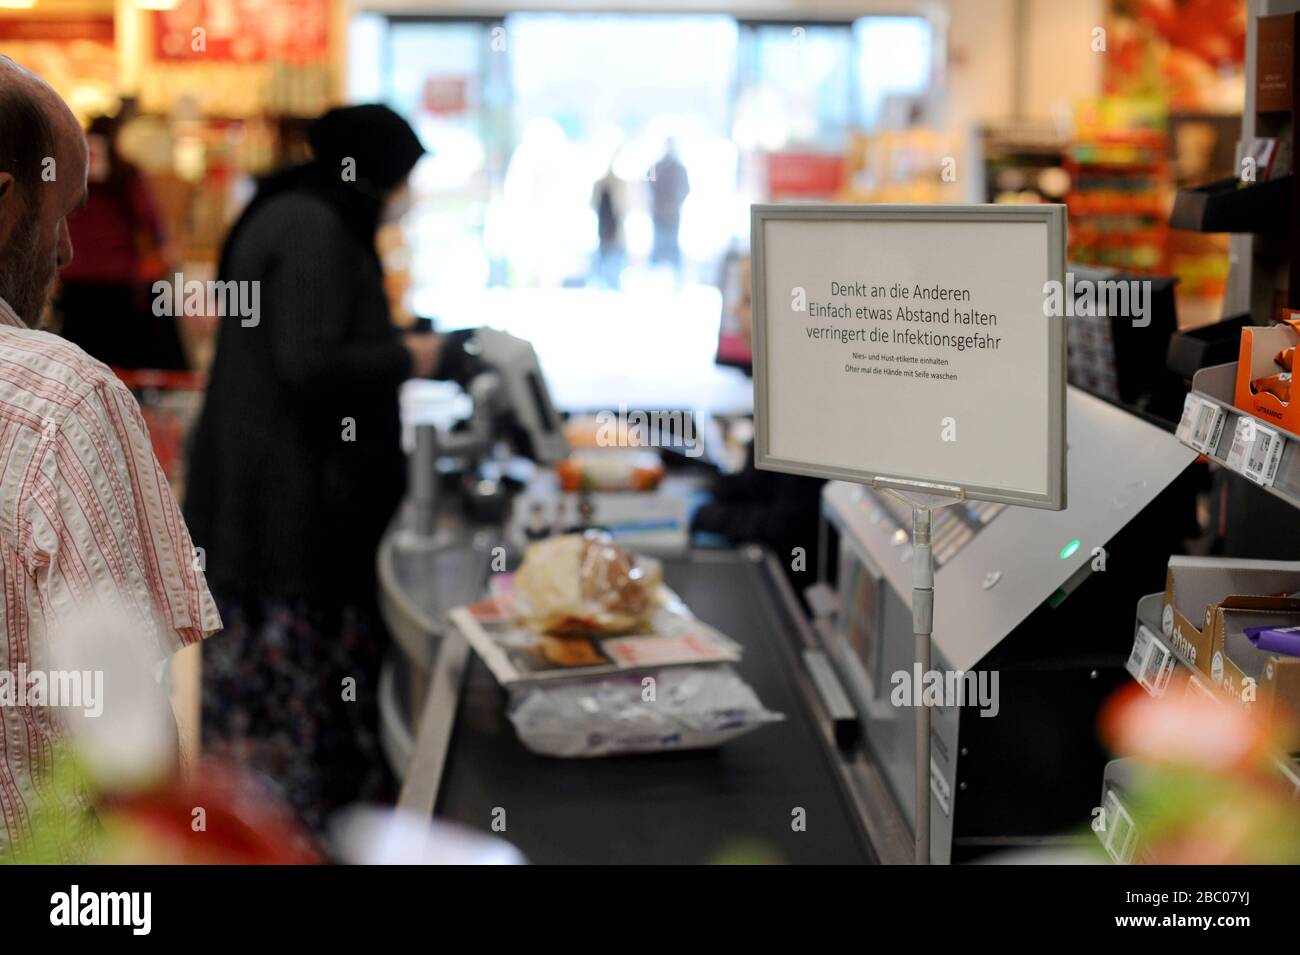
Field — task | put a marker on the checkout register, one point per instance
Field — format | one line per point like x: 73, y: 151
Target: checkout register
x: 826, y: 773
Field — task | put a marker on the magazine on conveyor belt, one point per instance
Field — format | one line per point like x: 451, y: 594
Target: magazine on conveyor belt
x: 517, y: 655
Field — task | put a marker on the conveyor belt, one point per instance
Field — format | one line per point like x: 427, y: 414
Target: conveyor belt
x: 684, y: 807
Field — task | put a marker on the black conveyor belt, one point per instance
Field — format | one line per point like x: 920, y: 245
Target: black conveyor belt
x: 680, y: 807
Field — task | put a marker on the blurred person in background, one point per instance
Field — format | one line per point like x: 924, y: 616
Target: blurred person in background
x: 669, y: 187
x: 106, y: 302
x: 87, y: 523
x: 297, y: 467
x: 607, y: 200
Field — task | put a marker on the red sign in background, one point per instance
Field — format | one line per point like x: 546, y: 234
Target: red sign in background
x: 56, y: 29
x: 247, y: 31
x: 804, y: 175
x: 446, y: 95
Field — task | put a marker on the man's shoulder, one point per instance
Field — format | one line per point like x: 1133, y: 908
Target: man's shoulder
x: 49, y: 376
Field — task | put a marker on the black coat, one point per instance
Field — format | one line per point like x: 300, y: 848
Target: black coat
x: 780, y: 510
x: 281, y: 502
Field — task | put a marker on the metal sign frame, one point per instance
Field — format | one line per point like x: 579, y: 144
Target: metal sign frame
x: 1052, y: 216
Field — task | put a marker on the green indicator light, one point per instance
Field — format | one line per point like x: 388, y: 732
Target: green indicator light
x: 1068, y: 550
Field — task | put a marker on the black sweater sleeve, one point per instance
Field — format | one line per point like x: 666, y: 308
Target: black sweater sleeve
x: 309, y: 285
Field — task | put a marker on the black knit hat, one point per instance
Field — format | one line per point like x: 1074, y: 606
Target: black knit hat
x: 381, y: 142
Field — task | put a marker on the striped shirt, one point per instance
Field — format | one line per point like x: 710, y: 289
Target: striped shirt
x: 86, y: 520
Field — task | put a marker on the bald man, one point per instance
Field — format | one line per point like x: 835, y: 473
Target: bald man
x: 40, y: 136
x: 87, y: 523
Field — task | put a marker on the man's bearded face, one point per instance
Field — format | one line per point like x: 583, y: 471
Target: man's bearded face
x: 27, y: 271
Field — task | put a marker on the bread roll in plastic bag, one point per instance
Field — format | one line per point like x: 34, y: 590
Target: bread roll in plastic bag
x: 679, y: 708
x: 585, y: 584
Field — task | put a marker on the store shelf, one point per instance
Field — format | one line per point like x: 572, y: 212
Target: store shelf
x: 1232, y: 206
x: 1157, y: 665
x: 1118, y: 202
x: 1205, y: 346
x: 1212, y: 426
x: 1118, y: 827
x: 1154, y: 662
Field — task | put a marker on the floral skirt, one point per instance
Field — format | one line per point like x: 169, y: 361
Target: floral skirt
x: 291, y: 692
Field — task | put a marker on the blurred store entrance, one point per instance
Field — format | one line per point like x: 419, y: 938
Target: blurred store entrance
x: 615, y: 156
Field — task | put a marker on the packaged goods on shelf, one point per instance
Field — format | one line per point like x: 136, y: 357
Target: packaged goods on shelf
x: 1198, y: 590
x: 1229, y: 599
x: 1264, y: 374
x: 1253, y: 677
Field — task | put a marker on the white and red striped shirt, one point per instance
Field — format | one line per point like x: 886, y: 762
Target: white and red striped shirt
x: 86, y: 518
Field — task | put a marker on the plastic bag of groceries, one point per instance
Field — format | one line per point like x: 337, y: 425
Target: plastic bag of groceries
x: 646, y: 712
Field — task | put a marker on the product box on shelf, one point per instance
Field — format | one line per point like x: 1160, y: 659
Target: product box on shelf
x: 1199, y: 684
x: 1253, y: 677
x: 1259, y: 346
x: 1197, y: 587
x: 1275, y: 64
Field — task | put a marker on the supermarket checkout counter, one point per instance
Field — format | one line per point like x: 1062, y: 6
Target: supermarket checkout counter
x: 780, y: 793
x: 465, y: 763
x: 840, y: 754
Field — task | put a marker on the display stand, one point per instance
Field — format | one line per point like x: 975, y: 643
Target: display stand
x: 923, y: 505
x: 1011, y: 453
x: 1010, y: 781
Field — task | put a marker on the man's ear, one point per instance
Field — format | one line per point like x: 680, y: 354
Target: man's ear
x: 8, y: 207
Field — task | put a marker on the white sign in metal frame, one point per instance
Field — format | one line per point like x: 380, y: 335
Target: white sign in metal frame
x: 952, y: 253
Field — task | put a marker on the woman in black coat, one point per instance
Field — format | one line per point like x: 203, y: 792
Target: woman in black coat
x: 296, y: 467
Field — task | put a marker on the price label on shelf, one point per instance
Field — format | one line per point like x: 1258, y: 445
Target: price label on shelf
x: 1243, y: 438
x: 1120, y: 835
x: 1256, y: 451
x: 1201, y: 424
x: 1265, y: 456
x: 1150, y: 663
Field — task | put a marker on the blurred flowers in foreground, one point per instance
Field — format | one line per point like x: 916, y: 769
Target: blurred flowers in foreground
x: 217, y: 814
x: 1209, y: 789
x: 382, y: 835
x: 115, y: 791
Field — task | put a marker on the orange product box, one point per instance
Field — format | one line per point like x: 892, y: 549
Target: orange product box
x: 1259, y: 345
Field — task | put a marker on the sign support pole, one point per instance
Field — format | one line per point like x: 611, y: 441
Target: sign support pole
x: 923, y: 507
x: 995, y: 257
x: 922, y: 631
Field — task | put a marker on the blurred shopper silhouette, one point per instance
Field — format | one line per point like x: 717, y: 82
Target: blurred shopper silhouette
x: 669, y: 187
x: 297, y: 466
x: 607, y: 200
x: 107, y: 289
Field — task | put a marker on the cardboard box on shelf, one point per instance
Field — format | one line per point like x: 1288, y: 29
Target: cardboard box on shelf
x: 1252, y: 677
x: 1255, y: 360
x: 1196, y: 587
x: 1257, y: 678
x: 1199, y: 685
